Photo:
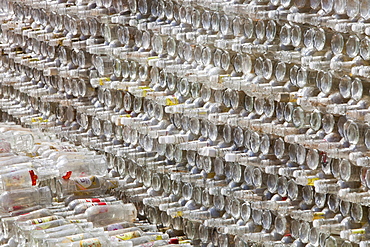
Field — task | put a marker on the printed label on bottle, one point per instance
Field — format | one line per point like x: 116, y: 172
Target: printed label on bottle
x: 95, y: 200
x: 173, y: 101
x: 92, y: 242
x: 43, y: 226
x: 154, y: 57
x: 310, y: 181
x: 222, y: 78
x: 100, y: 203
x: 90, y: 200
x: 43, y: 220
x: 293, y: 98
x: 77, y: 221
x: 39, y: 120
x: 159, y: 237
x: 73, y: 238
x: 102, y: 81
x: 83, y: 207
x: 179, y: 214
x: 87, y: 183
x: 14, y: 179
x: 318, y: 215
x: 145, y: 90
x: 358, y: 231
x: 36, y: 119
x: 185, y: 242
x: 128, y: 235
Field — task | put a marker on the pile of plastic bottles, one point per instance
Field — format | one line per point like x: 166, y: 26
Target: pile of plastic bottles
x: 56, y: 194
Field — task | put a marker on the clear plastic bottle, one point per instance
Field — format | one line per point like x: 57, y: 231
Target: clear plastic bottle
x: 23, y: 198
x: 102, y: 214
x: 85, y: 185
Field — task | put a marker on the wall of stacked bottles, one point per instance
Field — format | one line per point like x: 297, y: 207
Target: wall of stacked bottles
x: 237, y: 122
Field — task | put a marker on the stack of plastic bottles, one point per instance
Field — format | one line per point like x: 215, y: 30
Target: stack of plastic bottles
x: 47, y: 201
x: 236, y: 123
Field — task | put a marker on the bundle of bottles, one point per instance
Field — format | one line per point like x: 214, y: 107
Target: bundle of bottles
x: 236, y: 123
x: 44, y: 206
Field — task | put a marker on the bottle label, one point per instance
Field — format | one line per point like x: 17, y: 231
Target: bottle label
x: 173, y: 101
x: 145, y: 91
x: 95, y: 200
x: 358, y: 231
x: 128, y: 235
x: 293, y: 98
x: 179, y: 214
x: 185, y: 241
x: 318, y: 215
x: 88, y: 204
x: 154, y: 57
x: 77, y: 221
x: 43, y: 220
x: 92, y: 200
x: 73, y: 238
x: 103, y: 80
x: 310, y: 181
x: 39, y: 120
x: 222, y: 78
x: 85, y: 183
x: 43, y: 226
x: 16, y: 178
x: 159, y: 237
x: 92, y: 242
